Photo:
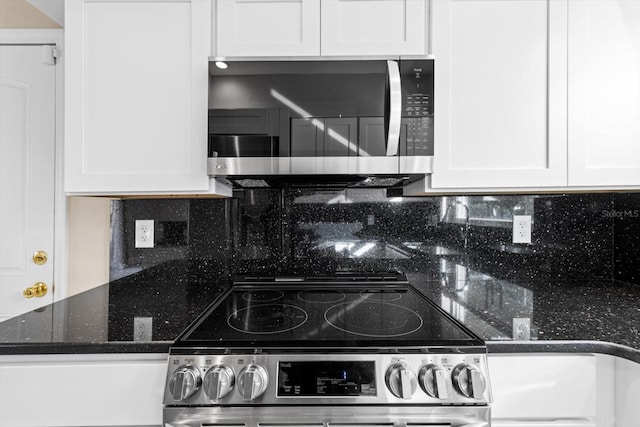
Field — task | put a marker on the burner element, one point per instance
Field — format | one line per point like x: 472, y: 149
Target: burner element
x: 373, y: 319
x: 321, y: 297
x: 267, y: 319
x: 267, y: 295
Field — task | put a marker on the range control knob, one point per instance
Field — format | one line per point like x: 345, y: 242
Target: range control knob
x: 218, y: 382
x: 401, y: 381
x: 185, y: 381
x: 468, y: 381
x: 252, y: 382
x: 433, y: 381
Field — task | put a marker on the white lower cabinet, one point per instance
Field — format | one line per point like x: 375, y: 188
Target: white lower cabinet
x: 627, y: 392
x: 529, y: 390
x: 547, y: 423
x: 82, y: 390
x: 556, y: 390
x: 543, y: 423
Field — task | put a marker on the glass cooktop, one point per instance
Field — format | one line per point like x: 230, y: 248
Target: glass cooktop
x: 345, y: 312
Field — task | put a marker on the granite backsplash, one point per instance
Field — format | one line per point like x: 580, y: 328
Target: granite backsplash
x: 574, y: 236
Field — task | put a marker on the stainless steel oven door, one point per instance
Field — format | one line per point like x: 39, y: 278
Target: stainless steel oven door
x: 325, y: 416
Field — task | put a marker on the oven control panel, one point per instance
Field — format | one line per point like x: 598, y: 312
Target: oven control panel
x: 327, y: 378
x: 452, y: 379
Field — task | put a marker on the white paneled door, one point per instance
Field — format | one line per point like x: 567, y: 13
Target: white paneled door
x: 267, y: 28
x: 604, y: 92
x: 501, y: 93
x: 373, y: 27
x: 135, y: 96
x: 27, y: 138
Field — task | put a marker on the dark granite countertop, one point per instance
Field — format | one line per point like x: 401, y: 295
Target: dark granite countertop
x: 102, y: 319
x: 580, y: 316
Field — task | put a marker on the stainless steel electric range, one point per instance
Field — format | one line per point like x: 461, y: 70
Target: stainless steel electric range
x: 342, y: 350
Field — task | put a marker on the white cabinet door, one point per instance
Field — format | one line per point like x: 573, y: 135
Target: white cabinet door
x: 136, y: 81
x: 27, y: 147
x: 536, y: 390
x: 374, y: 27
x: 604, y: 92
x: 500, y: 93
x: 267, y: 28
x: 82, y: 390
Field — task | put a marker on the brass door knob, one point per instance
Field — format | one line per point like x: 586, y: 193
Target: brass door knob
x: 37, y: 290
x: 39, y: 257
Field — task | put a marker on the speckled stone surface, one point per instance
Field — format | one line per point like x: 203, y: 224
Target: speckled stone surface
x: 101, y: 320
x: 601, y: 317
x: 578, y: 282
x: 574, y: 236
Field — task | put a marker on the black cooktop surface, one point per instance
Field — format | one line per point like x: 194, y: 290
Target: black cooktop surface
x: 348, y: 311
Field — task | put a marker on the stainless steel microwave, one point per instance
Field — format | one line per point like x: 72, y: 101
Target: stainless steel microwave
x: 360, y: 118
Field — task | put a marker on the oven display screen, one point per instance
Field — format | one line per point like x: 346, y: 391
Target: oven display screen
x: 344, y: 378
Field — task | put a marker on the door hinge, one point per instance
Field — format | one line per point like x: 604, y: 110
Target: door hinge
x: 49, y: 54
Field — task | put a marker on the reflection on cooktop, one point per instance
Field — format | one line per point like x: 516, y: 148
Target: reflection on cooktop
x: 373, y: 319
x: 383, y: 296
x: 267, y: 319
x: 321, y: 296
x: 263, y: 295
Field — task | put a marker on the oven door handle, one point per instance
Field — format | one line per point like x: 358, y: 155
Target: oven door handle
x: 392, y: 108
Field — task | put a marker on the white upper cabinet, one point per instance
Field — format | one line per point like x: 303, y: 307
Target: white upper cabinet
x: 136, y: 78
x: 373, y: 27
x: 268, y: 28
x: 320, y: 27
x: 604, y: 92
x: 500, y: 93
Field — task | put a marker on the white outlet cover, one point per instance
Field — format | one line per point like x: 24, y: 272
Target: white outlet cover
x: 522, y: 328
x: 144, y: 233
x: 142, y: 328
x: 522, y: 229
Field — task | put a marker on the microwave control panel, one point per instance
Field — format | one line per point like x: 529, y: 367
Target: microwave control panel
x: 417, y: 107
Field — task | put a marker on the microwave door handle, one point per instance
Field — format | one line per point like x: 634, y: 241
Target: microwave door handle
x: 393, y: 108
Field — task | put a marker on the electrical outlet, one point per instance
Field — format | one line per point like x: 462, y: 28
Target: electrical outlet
x: 142, y: 328
x: 522, y: 328
x: 144, y: 233
x: 371, y: 219
x: 522, y: 229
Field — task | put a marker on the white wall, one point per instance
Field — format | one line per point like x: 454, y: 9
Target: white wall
x: 88, y: 229
x: 20, y: 14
